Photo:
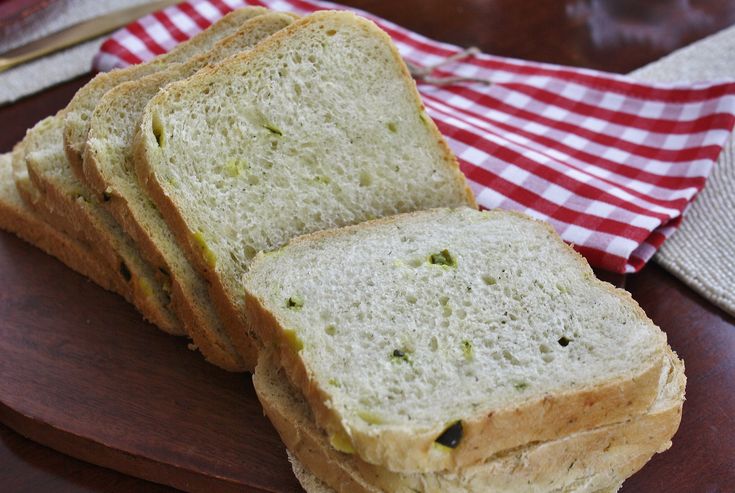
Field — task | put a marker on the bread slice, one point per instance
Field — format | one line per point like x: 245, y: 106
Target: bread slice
x: 79, y: 110
x: 109, y: 171
x: 319, y: 126
x: 62, y: 194
x: 431, y: 340
x: 19, y: 218
x: 590, y: 460
x: 67, y: 205
x: 312, y: 484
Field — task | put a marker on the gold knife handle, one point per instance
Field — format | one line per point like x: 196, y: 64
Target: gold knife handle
x: 6, y: 63
x: 78, y: 33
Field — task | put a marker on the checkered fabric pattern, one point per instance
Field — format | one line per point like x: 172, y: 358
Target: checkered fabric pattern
x: 610, y: 162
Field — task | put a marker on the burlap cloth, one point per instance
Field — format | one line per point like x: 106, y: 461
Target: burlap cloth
x: 702, y: 252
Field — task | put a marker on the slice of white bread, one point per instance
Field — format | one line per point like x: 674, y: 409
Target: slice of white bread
x: 481, y: 331
x: 590, y: 460
x: 19, y: 218
x: 319, y: 126
x: 79, y: 110
x: 67, y: 205
x: 109, y: 170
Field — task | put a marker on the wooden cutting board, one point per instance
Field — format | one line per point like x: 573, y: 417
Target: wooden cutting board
x: 82, y: 373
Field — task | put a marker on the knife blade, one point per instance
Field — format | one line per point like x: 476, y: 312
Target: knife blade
x: 78, y: 33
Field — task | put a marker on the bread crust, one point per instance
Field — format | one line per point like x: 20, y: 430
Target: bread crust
x: 409, y: 450
x: 238, y: 327
x: 188, y: 309
x: 195, y: 310
x: 602, y: 456
x: 56, y: 203
x: 19, y: 218
x: 79, y: 109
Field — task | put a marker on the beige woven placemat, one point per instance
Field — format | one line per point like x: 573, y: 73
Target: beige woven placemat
x: 702, y: 252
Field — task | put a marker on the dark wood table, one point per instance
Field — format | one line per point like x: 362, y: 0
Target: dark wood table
x: 613, y: 35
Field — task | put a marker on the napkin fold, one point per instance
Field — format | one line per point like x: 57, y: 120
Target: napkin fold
x: 611, y: 162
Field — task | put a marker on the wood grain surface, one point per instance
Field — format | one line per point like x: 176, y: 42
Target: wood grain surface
x: 83, y: 348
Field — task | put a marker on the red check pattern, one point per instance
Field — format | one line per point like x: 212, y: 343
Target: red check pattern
x: 610, y: 162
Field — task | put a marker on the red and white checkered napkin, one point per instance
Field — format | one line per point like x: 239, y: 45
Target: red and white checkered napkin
x: 610, y: 162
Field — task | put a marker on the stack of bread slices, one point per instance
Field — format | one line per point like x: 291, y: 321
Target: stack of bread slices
x: 457, y: 350
x: 438, y: 349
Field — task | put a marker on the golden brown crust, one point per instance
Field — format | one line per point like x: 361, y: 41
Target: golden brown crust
x: 612, y: 452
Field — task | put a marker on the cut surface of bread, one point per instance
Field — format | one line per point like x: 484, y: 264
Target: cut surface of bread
x: 592, y: 460
x: 109, y: 170
x: 19, y: 218
x: 79, y: 110
x: 429, y: 340
x: 319, y: 126
x: 65, y: 200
